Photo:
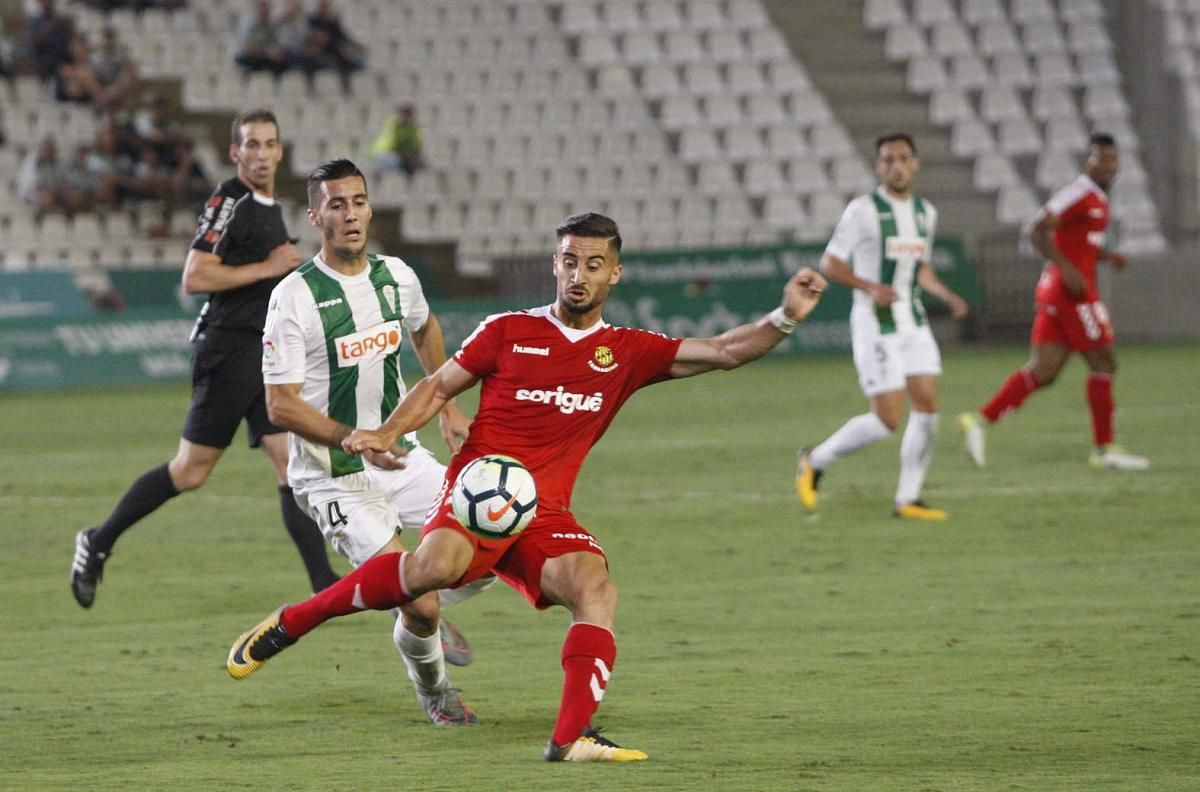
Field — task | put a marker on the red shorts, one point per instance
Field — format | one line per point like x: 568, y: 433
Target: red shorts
x: 1078, y: 325
x: 518, y: 560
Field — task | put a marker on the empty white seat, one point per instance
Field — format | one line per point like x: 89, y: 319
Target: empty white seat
x: 784, y: 212
x: 725, y: 46
x: 598, y: 49
x: 883, y: 14
x: 829, y: 140
x: 722, y: 110
x: 746, y: 78
x: 807, y: 175
x: 1000, y: 103
x: 766, y: 44
x: 978, y: 12
x: 1012, y: 70
x: 949, y: 106
x: 1053, y: 101
x: 577, y: 18
x: 932, y: 12
x: 971, y: 137
x: 704, y: 14
x: 1098, y: 68
x: 787, y: 75
x: 641, y: 47
x: 765, y: 110
x: 925, y: 73
x: 851, y: 175
x: 951, y: 38
x: 785, y: 141
x: 763, y: 177
x: 748, y: 15
x: 702, y: 79
x: 969, y: 71
x: 715, y: 177
x: 683, y: 46
x: 1065, y: 134
x: 619, y: 15
x: 697, y: 144
x: 904, y: 41
x: 993, y: 171
x: 743, y: 144
x: 1016, y: 205
x: 1104, y: 100
x: 1088, y: 35
x: 808, y: 108
x: 997, y: 38
x: 1019, y: 136
x: 1081, y: 9
x: 679, y: 112
x: 1043, y: 36
x: 1032, y: 11
x: 1054, y: 68
x: 616, y: 80
x: 660, y: 80
x: 1055, y: 169
x: 662, y: 16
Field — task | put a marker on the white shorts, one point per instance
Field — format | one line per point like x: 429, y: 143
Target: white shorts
x: 885, y: 360
x: 361, y: 512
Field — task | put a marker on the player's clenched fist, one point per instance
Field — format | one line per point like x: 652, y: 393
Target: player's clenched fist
x: 802, y: 293
x: 361, y: 440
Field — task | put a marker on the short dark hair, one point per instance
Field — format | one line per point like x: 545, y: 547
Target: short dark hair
x: 328, y: 171
x: 893, y: 137
x: 590, y: 224
x: 260, y: 115
x: 1102, y: 139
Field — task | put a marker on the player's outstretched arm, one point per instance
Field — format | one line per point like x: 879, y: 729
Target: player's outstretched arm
x: 748, y: 342
x: 430, y: 347
x: 424, y: 401
x: 288, y: 411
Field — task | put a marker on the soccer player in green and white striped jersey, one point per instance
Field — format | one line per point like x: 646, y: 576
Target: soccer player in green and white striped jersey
x: 331, y: 364
x: 881, y: 249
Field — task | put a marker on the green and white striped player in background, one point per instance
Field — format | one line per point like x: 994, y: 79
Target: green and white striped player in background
x: 881, y: 249
x: 331, y: 364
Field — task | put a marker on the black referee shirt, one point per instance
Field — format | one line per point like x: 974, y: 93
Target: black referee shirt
x: 242, y: 228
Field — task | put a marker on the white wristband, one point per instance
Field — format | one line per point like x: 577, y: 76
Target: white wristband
x: 781, y: 321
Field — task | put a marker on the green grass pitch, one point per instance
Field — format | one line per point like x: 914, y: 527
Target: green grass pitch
x: 1047, y: 637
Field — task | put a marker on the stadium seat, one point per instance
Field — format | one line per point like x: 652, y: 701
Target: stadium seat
x: 641, y: 47
x: 971, y: 137
x: 616, y: 80
x: 662, y: 17
x: 766, y: 44
x: 969, y: 72
x: 704, y: 14
x: 724, y: 46
x: 1054, y: 68
x: 1053, y: 101
x: 763, y: 177
x: 784, y: 141
x: 997, y: 38
x: 599, y: 50
x: 698, y: 144
x: 660, y: 80
x: 1088, y: 36
x: 1024, y: 11
x: 1042, y: 36
x: 1019, y: 136
x: 904, y: 41
x: 951, y: 38
x: 743, y: 144
x: 1011, y: 70
x: 679, y: 112
x: 703, y: 79
x: 746, y: 79
x: 620, y: 16
x: 786, y: 76
x: 683, y: 46
x: 979, y: 12
x: 807, y: 176
x: 577, y: 18
x: 949, y: 106
x: 1000, y: 103
x: 748, y: 15
x: 993, y: 171
x: 722, y: 110
x: 928, y: 13
x: 765, y: 110
x: 1016, y: 205
x: 925, y: 73
x: 1065, y: 134
x: 784, y: 212
x: 883, y: 14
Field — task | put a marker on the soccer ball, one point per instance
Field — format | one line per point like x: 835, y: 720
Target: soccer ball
x: 494, y: 496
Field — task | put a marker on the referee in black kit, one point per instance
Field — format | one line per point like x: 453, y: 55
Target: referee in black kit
x: 240, y: 252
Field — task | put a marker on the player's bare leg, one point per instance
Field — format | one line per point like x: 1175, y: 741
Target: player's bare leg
x: 1102, y: 367
x: 916, y: 450
x: 580, y: 582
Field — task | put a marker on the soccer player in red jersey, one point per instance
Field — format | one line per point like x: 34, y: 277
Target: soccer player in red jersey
x: 553, y: 378
x: 1069, y: 231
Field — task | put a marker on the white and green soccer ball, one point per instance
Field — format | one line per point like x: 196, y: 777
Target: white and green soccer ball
x: 494, y: 496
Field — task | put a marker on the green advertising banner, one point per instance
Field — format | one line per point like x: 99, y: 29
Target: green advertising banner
x: 680, y: 293
x: 24, y: 295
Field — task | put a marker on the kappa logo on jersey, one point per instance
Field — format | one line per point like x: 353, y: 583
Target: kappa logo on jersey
x: 602, y: 360
x: 905, y: 247
x: 527, y: 350
x: 330, y: 303
x: 1096, y: 211
x: 564, y: 400
x: 382, y: 339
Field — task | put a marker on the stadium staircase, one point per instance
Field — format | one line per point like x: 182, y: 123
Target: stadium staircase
x: 869, y: 96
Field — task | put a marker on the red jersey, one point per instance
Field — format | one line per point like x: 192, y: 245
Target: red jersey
x: 1082, y: 211
x: 549, y: 391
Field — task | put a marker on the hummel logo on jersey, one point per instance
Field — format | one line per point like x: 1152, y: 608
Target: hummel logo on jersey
x: 330, y: 303
x: 524, y: 350
x: 382, y: 339
x: 1096, y: 211
x: 565, y: 401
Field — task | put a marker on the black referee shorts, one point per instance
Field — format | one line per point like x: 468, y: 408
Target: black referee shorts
x: 227, y: 386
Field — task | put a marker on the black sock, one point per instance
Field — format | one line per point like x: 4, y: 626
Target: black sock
x: 309, y: 541
x: 152, y: 490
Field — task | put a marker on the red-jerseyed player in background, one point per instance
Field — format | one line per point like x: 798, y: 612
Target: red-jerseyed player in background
x: 1069, y: 232
x: 552, y: 379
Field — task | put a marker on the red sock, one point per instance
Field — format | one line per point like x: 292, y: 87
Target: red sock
x: 375, y: 585
x: 1011, y: 395
x: 1100, y: 399
x: 588, y: 655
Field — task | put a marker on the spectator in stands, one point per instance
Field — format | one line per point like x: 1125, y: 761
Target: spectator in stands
x: 10, y: 52
x: 157, y: 130
x: 399, y: 145
x: 302, y: 46
x: 116, y: 74
x: 258, y: 47
x: 346, y: 53
x: 80, y: 184
x: 41, y: 180
x: 75, y: 81
x: 189, y: 182
x: 48, y: 37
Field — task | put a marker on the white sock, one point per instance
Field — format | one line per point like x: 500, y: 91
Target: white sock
x: 463, y: 593
x: 859, y: 431
x: 423, y: 656
x: 916, y: 449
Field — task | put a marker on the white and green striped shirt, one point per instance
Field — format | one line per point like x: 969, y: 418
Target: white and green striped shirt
x: 340, y: 336
x: 885, y: 239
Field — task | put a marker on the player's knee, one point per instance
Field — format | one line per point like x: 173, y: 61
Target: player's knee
x: 187, y: 477
x: 430, y: 572
x: 890, y: 420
